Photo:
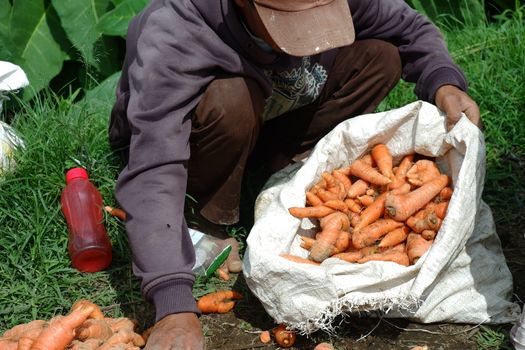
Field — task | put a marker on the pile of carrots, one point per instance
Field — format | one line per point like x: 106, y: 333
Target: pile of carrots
x: 84, y: 328
x: 374, y: 209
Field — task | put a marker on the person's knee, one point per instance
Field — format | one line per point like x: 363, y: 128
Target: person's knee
x: 386, y: 57
x: 232, y: 107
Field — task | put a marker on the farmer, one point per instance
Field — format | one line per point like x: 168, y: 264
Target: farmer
x: 211, y: 87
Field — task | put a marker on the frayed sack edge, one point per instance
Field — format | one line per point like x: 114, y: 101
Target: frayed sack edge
x: 344, y: 306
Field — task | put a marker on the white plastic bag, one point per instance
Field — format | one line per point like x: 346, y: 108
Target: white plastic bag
x: 463, y: 278
x: 12, y: 78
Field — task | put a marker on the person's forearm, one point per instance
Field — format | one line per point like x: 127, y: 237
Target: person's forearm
x: 423, y: 52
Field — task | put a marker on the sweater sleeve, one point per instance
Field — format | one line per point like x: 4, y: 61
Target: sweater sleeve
x: 424, y: 55
x: 164, y: 81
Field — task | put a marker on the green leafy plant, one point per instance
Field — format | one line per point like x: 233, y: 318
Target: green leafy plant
x: 42, y: 35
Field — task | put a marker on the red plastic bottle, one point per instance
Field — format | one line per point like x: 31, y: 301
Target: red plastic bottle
x: 89, y: 245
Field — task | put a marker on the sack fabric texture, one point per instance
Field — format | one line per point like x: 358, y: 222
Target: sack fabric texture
x: 463, y: 278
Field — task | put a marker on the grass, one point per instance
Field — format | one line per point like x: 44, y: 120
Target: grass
x: 37, y: 280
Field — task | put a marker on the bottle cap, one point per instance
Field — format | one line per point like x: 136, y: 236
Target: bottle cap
x: 75, y: 173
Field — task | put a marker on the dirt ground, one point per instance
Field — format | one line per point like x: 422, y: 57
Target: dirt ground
x: 240, y: 329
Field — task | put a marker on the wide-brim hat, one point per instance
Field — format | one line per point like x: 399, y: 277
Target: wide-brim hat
x: 307, y: 27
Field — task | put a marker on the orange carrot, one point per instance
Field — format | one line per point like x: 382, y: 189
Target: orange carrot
x: 298, y: 259
x: 369, y: 234
x: 335, y: 221
x: 17, y: 331
x: 89, y: 344
x: 321, y: 184
x: 307, y: 242
x: 364, y: 171
x: 367, y: 159
x: 7, y: 344
x: 383, y: 159
x: 61, y: 330
x: 375, y: 210
x: 389, y: 255
x: 313, y: 199
x: 96, y: 313
x: 445, y: 194
x: 401, y: 171
x: 222, y: 274
x: 324, y: 346
x: 93, y: 328
x: 416, y: 247
x: 326, y: 195
x: 120, y: 323
x: 428, y: 234
x: 324, y: 245
x: 119, y: 213
x: 394, y: 237
x: 353, y: 206
x: 400, y: 207
x: 428, y: 222
x: 28, y: 338
x: 124, y: 336
x: 422, y: 171
x: 317, y: 211
x: 438, y: 209
x: 344, y: 240
x: 358, y: 188
x: 284, y: 337
x: 366, y: 200
x: 336, y: 204
x: 342, y: 178
x: 265, y: 337
x: 218, y: 302
x: 349, y: 256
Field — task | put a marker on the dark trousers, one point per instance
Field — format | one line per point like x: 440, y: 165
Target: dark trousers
x: 228, y: 132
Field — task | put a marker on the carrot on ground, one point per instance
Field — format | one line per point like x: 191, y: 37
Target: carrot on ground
x: 218, y: 302
x: 383, y: 159
x: 124, y: 336
x: 400, y: 207
x: 119, y: 213
x: 94, y: 328
x: 364, y: 171
x: 61, y: 330
x: 317, y: 211
x: 265, y: 337
x: 284, y: 337
x: 369, y: 234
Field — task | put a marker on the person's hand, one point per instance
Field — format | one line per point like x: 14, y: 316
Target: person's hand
x: 453, y: 101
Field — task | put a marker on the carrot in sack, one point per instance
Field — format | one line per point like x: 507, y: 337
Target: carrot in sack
x: 422, y: 171
x: 317, y: 211
x: 307, y: 242
x: 368, y: 235
x: 364, y: 171
x: 313, y: 199
x: 383, y: 159
x: 342, y: 178
x: 324, y: 245
x: 298, y: 259
x: 358, y: 188
x: 352, y: 257
x: 401, y: 171
x: 398, y: 257
x: 336, y: 204
x: 400, y: 207
x: 394, y: 237
x: 416, y: 247
x: 428, y: 234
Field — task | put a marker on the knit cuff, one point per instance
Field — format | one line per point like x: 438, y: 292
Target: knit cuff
x: 436, y: 79
x: 173, y: 297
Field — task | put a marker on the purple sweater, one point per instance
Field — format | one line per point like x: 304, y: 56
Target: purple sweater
x: 174, y: 49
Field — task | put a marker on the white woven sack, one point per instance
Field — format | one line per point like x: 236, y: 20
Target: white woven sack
x: 463, y: 278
